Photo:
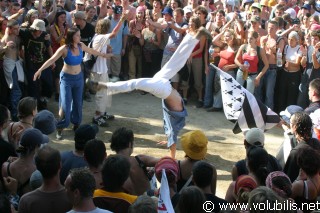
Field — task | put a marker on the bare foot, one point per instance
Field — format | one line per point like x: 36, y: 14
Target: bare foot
x: 162, y: 143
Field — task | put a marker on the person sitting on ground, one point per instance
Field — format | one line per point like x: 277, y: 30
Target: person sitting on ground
x: 74, y: 159
x: 280, y: 183
x: 290, y: 140
x: 257, y: 161
x: 115, y: 171
x: 174, y: 112
x: 45, y: 122
x: 306, y: 188
x: 264, y: 195
x: 80, y: 185
x: 6, y: 149
x: 202, y: 173
x: 122, y: 142
x: 22, y: 168
x: 172, y: 172
x: 27, y: 109
x: 143, y: 204
x: 95, y: 153
x: 301, y: 126
x: 191, y: 200
x: 51, y: 196
x: 243, y: 186
x: 254, y: 137
x: 194, y: 145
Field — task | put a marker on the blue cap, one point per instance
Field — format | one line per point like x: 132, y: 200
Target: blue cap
x: 33, y: 137
x: 45, y: 122
x: 167, y: 10
x: 289, y: 111
x: 306, y: 6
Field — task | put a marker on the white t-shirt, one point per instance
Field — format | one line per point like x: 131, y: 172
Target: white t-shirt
x: 100, y: 43
x: 97, y: 210
x: 292, y: 53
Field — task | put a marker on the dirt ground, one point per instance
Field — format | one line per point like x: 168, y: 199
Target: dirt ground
x: 143, y: 114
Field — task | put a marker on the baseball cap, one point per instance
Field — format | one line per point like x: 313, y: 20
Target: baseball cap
x: 291, y: 12
x: 170, y: 166
x: 167, y: 10
x: 247, y: 1
x: 32, y: 137
x: 45, y: 122
x: 289, y: 111
x: 187, y: 10
x: 80, y: 2
x: 117, y: 9
x: 306, y: 6
x: 255, y: 137
x: 256, y: 5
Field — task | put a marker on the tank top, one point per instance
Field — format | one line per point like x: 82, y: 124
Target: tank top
x: 226, y: 58
x: 73, y: 60
x: 199, y: 55
x: 253, y: 61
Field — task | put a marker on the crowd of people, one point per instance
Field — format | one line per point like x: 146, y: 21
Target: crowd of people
x: 67, y: 51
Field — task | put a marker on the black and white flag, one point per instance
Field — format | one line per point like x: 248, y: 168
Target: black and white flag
x: 239, y: 104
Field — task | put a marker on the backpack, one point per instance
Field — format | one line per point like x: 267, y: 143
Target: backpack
x: 90, y: 61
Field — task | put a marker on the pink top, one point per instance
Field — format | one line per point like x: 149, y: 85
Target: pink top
x: 226, y: 58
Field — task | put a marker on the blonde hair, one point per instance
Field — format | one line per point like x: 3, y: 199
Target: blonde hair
x: 103, y: 26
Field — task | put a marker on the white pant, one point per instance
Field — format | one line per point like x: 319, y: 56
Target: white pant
x: 161, y: 88
x: 103, y: 100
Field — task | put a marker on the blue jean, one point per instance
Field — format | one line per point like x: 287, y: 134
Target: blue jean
x: 15, y: 94
x: 71, y: 88
x: 265, y: 91
x: 250, y: 80
x: 211, y: 98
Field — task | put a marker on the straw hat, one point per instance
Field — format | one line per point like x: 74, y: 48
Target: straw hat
x: 194, y: 144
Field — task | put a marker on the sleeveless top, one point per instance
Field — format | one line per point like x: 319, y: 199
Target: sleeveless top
x: 304, y: 199
x: 72, y: 59
x: 253, y: 61
x: 226, y: 58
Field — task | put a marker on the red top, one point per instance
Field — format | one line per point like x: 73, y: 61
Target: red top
x: 253, y: 61
x: 226, y: 58
x: 199, y: 55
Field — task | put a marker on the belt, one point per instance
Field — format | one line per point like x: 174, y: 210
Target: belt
x: 253, y: 73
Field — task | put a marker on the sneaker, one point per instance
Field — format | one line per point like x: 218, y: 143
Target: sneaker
x: 199, y: 104
x: 94, y: 86
x: 87, y: 97
x: 114, y: 79
x: 100, y: 121
x: 107, y: 116
x: 59, y: 134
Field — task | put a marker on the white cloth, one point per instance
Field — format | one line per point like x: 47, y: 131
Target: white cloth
x: 8, y: 66
x: 103, y: 98
x: 178, y: 59
x: 161, y: 88
x: 99, y: 44
x: 164, y: 201
x: 159, y: 85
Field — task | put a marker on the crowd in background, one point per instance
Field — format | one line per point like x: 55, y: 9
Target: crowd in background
x: 269, y: 47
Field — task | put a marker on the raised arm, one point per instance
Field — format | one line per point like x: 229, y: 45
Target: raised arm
x: 118, y: 26
x: 49, y: 62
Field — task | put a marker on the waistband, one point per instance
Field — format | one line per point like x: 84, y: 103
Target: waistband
x: 273, y: 66
x: 253, y: 73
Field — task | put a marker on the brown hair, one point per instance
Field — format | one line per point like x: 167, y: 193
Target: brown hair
x: 103, y: 26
